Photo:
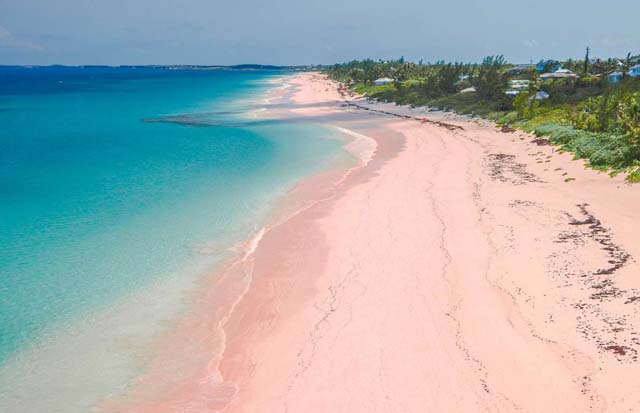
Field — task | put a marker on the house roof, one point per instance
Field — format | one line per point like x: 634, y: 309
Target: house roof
x: 520, y: 68
x: 558, y: 75
x: 384, y: 79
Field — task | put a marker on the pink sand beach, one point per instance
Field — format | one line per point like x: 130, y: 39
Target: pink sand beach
x: 454, y: 268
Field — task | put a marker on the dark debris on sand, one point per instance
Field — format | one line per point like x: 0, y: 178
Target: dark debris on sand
x: 612, y: 333
x: 448, y: 126
x: 504, y: 168
x: 541, y: 142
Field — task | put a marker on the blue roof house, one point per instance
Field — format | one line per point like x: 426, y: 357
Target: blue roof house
x: 635, y: 71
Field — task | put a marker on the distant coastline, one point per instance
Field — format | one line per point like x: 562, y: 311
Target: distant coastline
x: 295, y: 68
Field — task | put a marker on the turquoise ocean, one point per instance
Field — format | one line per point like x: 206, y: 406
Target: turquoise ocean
x: 114, y: 182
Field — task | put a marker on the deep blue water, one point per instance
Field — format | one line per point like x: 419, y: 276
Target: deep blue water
x: 95, y: 202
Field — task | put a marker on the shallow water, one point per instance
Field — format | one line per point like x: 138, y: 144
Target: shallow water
x: 113, y: 202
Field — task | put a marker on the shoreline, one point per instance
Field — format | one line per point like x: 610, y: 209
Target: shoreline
x: 312, y: 191
x: 458, y: 270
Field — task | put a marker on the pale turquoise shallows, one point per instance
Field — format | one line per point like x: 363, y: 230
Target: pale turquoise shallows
x: 97, y: 202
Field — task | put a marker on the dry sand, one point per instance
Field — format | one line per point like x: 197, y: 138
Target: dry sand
x: 456, y: 270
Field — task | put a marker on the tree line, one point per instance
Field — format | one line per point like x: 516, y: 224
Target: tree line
x: 601, y: 118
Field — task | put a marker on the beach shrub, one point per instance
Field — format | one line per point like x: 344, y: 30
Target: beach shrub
x: 491, y: 81
x: 629, y: 118
x: 601, y: 150
x: 616, y: 110
x: 521, y: 105
x: 503, y: 118
x: 634, y: 176
x: 525, y: 105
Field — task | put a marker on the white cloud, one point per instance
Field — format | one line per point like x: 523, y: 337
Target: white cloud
x: 14, y: 42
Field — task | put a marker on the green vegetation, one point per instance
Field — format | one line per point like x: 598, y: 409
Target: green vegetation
x: 581, y: 112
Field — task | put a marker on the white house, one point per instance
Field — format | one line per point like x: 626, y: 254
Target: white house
x: 382, y: 81
x: 635, y: 71
x: 559, y: 74
x: 519, y: 84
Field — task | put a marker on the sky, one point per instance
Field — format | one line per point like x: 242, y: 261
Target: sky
x: 300, y: 32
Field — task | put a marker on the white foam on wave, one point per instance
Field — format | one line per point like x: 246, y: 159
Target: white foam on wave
x: 245, y: 248
x: 362, y: 147
x: 253, y: 243
x: 280, y: 87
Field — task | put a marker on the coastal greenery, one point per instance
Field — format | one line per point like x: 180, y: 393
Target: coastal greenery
x: 580, y: 110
